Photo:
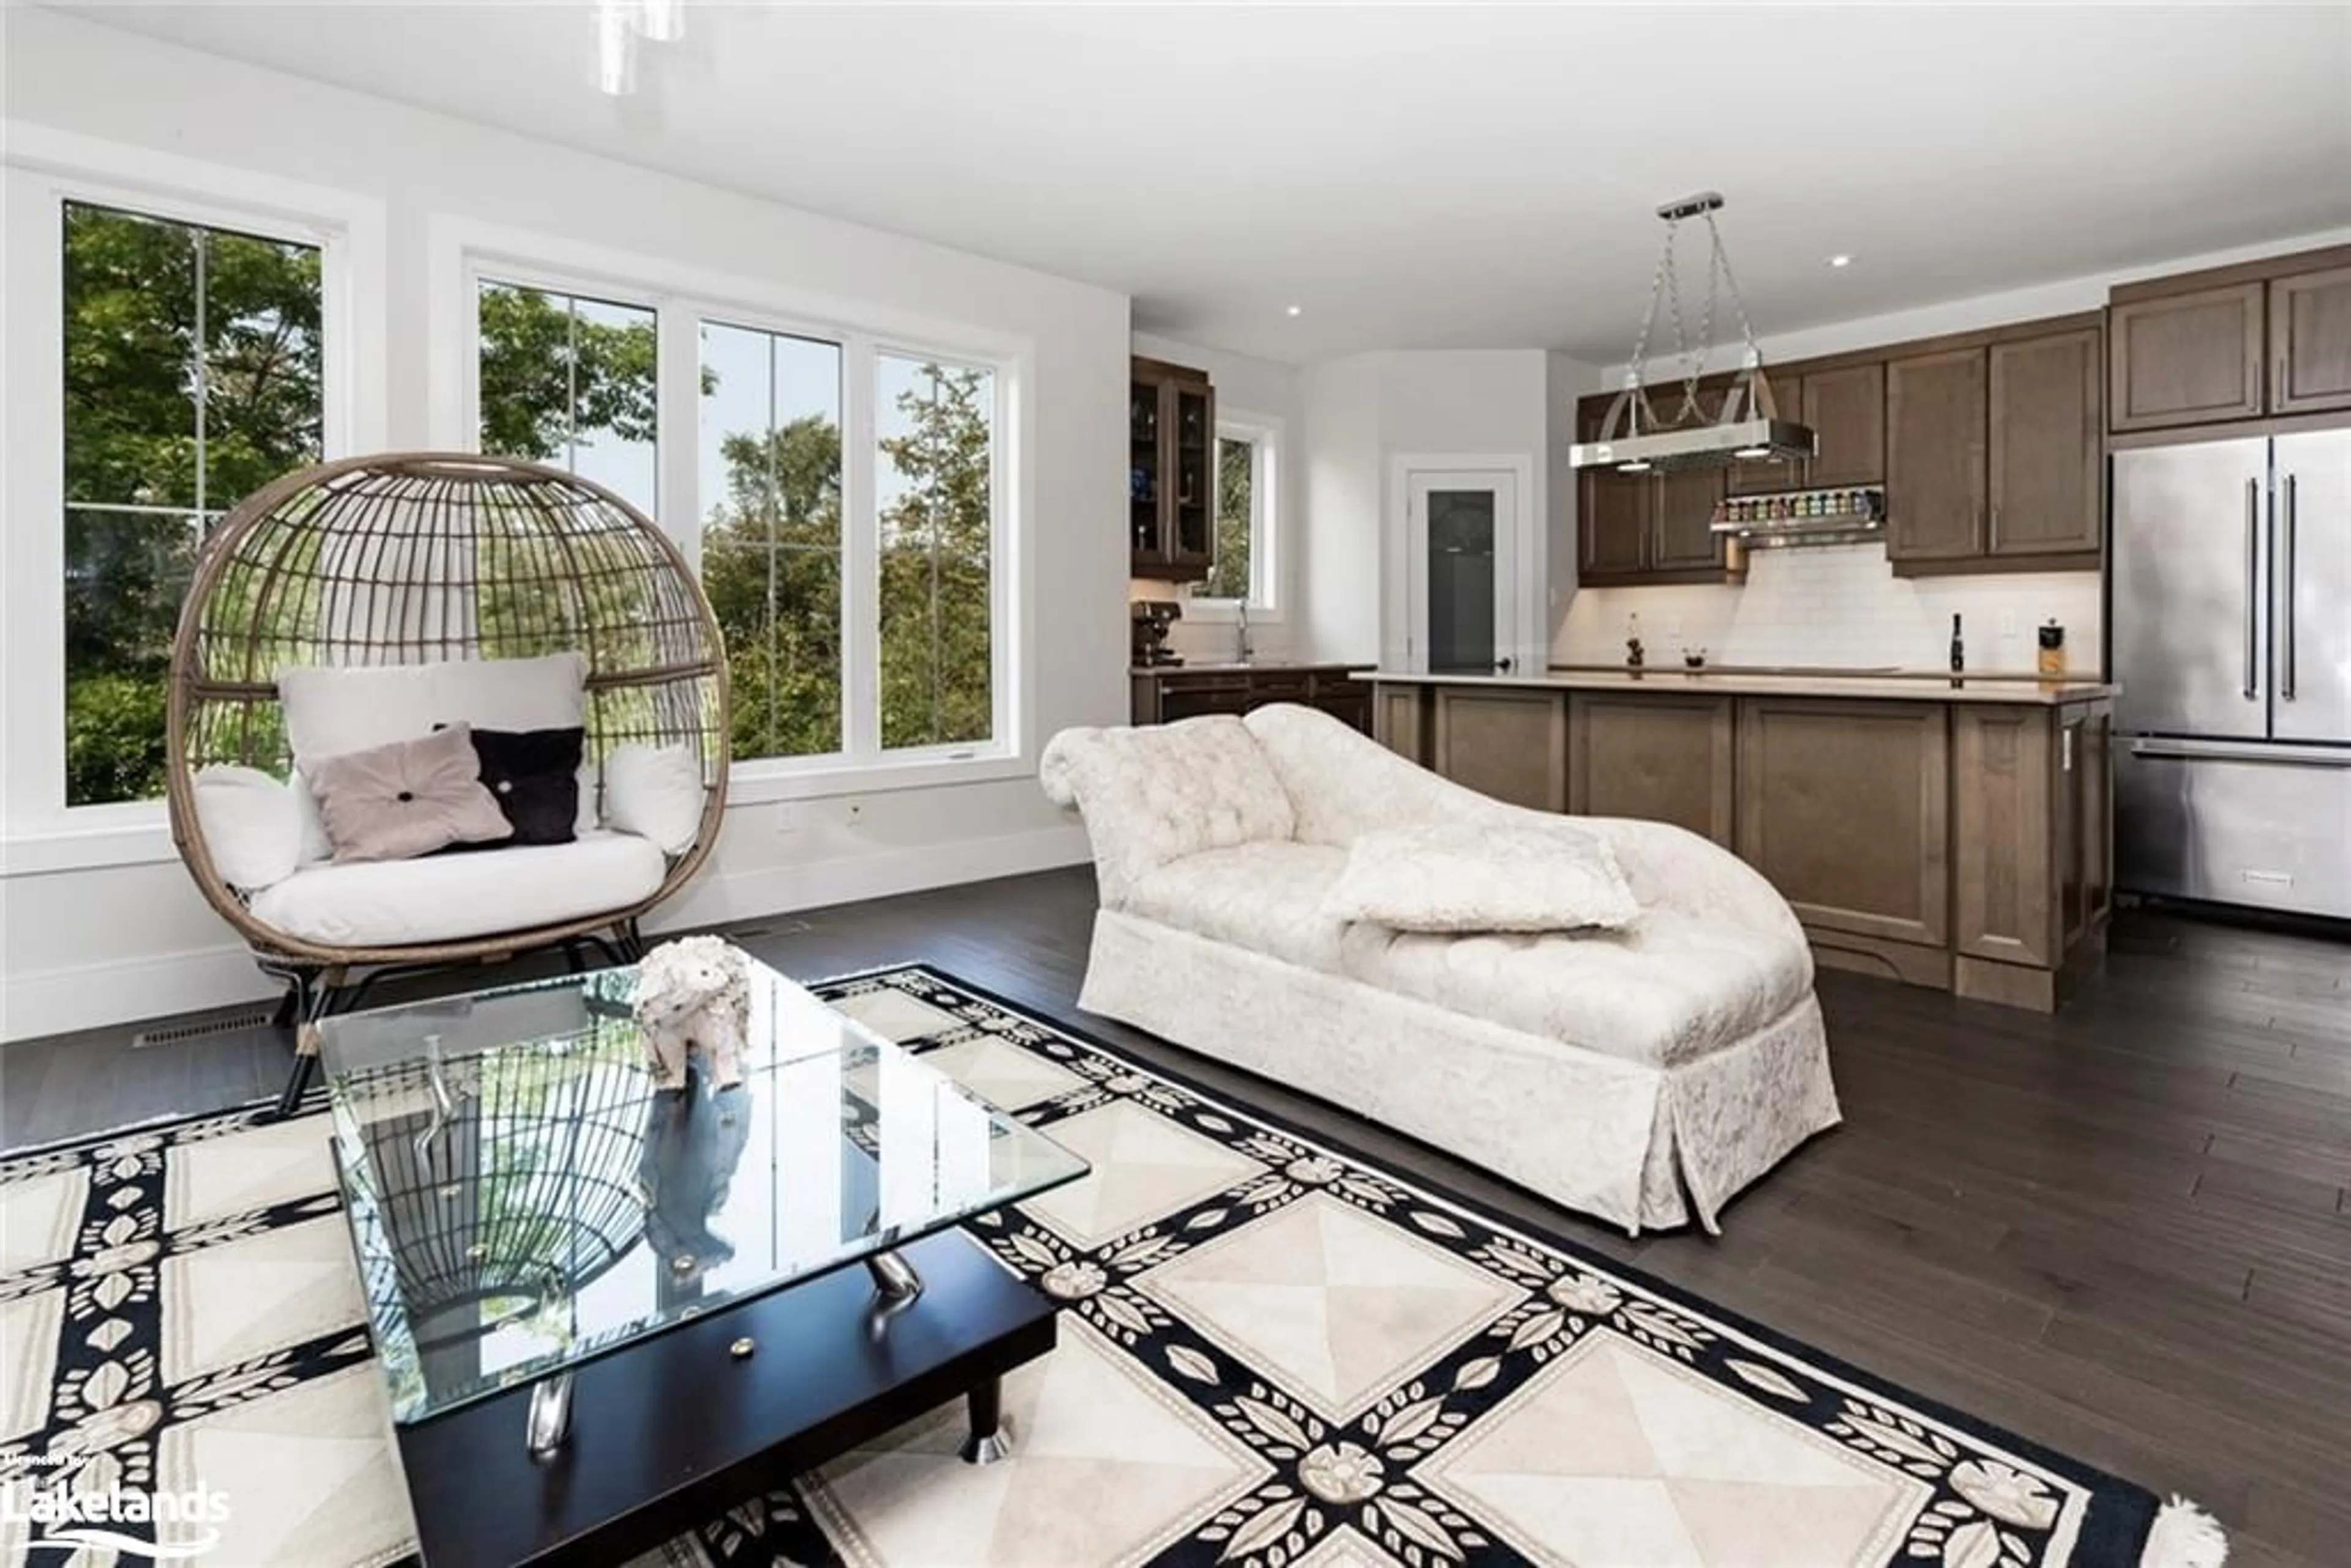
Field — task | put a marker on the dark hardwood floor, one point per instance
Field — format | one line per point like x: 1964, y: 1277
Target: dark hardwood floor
x: 2122, y: 1232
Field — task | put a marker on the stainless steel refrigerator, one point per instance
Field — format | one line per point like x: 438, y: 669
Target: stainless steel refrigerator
x: 2230, y: 627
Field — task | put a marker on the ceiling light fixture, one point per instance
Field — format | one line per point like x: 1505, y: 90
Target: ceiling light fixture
x: 618, y: 24
x: 1295, y: 310
x: 1840, y: 260
x: 661, y: 21
x: 1633, y: 439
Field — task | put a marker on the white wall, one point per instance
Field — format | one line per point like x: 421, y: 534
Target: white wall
x: 90, y: 944
x: 1363, y: 411
x: 1565, y: 380
x: 1339, y: 565
x: 1246, y: 385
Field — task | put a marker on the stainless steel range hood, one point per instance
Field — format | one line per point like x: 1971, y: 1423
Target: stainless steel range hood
x: 1749, y: 429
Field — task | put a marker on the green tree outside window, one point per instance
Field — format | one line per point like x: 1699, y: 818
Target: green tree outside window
x: 193, y: 376
x: 1228, y: 575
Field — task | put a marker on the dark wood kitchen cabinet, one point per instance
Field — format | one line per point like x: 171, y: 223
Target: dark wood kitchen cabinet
x: 2031, y: 840
x: 1845, y: 408
x: 1995, y: 454
x: 1954, y: 837
x: 1665, y: 758
x: 2186, y: 358
x: 2046, y: 452
x: 1681, y: 521
x: 1163, y: 694
x: 1935, y: 434
x: 2265, y: 337
x: 1654, y: 528
x: 1766, y: 477
x: 1171, y: 419
x: 2310, y: 342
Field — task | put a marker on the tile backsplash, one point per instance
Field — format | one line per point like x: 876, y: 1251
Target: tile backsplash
x: 1841, y: 606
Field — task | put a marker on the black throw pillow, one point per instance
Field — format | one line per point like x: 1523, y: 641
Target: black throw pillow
x: 534, y: 775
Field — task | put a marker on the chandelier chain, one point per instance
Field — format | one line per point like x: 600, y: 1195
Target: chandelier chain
x: 1738, y: 301
x: 1657, y: 276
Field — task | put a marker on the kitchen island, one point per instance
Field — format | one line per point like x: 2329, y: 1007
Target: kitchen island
x: 1951, y: 834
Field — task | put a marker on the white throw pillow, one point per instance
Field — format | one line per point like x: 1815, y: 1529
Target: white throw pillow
x: 251, y: 825
x: 331, y: 710
x: 1458, y: 877
x: 654, y: 792
x: 316, y: 846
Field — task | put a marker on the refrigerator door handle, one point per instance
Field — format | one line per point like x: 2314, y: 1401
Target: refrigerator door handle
x: 2253, y: 586
x: 2223, y: 751
x: 2285, y: 591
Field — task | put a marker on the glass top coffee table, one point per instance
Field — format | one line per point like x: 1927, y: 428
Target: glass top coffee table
x: 536, y: 1224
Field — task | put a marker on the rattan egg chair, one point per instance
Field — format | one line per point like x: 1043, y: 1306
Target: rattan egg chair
x: 414, y: 559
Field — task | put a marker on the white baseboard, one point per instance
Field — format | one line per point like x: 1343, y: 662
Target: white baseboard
x: 130, y: 990
x: 716, y: 900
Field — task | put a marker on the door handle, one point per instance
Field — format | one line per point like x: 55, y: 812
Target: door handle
x: 2285, y: 582
x: 2252, y: 572
x: 2224, y: 751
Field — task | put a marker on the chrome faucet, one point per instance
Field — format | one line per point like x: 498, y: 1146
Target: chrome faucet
x: 1246, y: 651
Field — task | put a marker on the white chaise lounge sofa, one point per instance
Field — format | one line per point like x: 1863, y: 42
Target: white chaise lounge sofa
x: 1643, y: 1075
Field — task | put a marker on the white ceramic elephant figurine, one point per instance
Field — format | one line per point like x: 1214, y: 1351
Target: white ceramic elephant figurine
x: 693, y: 993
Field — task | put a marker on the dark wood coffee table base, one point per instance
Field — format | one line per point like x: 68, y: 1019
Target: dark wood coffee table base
x: 668, y: 1433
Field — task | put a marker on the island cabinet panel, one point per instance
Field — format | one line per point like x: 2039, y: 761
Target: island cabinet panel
x: 2186, y: 358
x: 1508, y: 743
x: 1844, y: 808
x: 2009, y: 828
x: 1401, y: 720
x: 1662, y: 759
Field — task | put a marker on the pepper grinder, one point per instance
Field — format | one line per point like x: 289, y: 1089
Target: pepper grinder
x: 1959, y: 649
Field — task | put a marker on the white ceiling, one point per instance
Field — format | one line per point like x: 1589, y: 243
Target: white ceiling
x: 1433, y: 176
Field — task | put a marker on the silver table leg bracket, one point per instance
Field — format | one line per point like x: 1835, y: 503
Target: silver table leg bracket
x: 551, y: 1416
x: 894, y: 1280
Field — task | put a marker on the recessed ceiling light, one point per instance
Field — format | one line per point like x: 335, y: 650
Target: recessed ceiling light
x: 1295, y: 310
x: 1840, y: 260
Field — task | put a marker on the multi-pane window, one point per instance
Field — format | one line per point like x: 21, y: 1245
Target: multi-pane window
x: 769, y: 475
x: 570, y: 380
x: 935, y: 483
x: 193, y: 376
x: 1240, y: 502
x: 843, y: 496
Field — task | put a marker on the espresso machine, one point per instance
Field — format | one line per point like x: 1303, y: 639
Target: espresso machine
x: 1147, y: 623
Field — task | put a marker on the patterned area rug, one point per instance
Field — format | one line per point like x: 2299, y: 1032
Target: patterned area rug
x: 1272, y: 1352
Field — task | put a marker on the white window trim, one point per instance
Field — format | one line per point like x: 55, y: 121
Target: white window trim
x: 1265, y: 597
x: 464, y: 251
x: 44, y: 169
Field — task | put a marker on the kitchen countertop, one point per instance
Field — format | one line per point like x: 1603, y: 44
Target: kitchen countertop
x: 1920, y: 687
